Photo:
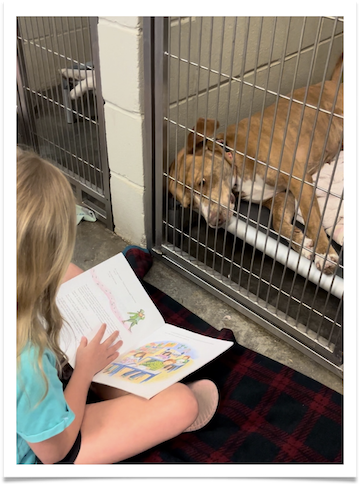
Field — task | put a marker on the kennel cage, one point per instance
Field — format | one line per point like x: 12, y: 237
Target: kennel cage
x: 59, y: 114
x: 228, y: 69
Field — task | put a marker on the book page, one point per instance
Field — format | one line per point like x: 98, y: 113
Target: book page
x: 164, y: 358
x: 108, y: 293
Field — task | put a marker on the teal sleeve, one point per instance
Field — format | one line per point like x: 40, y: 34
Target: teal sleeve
x: 37, y: 419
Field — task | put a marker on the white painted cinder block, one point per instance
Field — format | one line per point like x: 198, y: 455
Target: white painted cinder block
x: 119, y: 63
x: 128, y: 210
x: 131, y: 22
x: 119, y: 48
x: 124, y: 143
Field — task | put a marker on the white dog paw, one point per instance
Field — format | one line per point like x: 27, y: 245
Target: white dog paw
x: 308, y: 248
x: 328, y: 265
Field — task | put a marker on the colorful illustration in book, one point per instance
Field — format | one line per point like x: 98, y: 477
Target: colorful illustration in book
x: 152, y: 362
x: 134, y: 318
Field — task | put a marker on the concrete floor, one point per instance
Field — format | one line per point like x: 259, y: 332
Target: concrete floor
x: 95, y: 244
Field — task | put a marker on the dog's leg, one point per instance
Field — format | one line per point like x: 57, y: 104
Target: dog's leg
x: 87, y: 84
x: 312, y: 214
x: 86, y: 78
x: 282, y: 223
x: 74, y: 73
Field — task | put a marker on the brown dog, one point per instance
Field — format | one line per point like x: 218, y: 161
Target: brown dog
x: 294, y: 154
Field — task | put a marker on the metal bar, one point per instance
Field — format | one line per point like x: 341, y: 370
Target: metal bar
x: 36, y: 98
x: 93, y: 22
x: 186, y: 117
x: 242, y: 73
x: 258, y: 144
x: 43, y: 104
x: 79, y: 103
x: 196, y: 117
x: 167, y: 76
x: 178, y: 112
x: 46, y: 72
x: 216, y: 117
x: 194, y: 137
x: 54, y: 40
x: 68, y: 160
x: 97, y: 179
x: 282, y: 65
x: 26, y: 111
x: 148, y: 44
x: 98, y: 133
x: 79, y: 144
x: 160, y: 31
x: 21, y: 130
x: 203, y: 152
x: 246, y: 145
x: 68, y: 108
x: 225, y: 130
x: 176, y: 214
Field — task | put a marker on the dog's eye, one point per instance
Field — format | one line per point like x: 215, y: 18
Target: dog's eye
x: 202, y: 182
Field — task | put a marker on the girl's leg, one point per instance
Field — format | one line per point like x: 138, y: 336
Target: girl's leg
x: 117, y: 429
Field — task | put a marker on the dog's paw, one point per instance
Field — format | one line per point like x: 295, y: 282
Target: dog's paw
x: 328, y: 265
x: 308, y: 248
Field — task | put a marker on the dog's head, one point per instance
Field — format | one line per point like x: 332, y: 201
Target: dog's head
x: 203, y: 174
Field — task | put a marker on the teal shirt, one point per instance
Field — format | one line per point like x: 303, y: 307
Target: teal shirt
x: 38, y: 421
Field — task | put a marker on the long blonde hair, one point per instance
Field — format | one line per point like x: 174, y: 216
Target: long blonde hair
x: 46, y: 229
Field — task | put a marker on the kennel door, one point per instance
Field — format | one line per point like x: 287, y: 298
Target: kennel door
x: 60, y: 107
x: 228, y: 69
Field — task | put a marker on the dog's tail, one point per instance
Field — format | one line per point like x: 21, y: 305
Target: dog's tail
x: 338, y: 69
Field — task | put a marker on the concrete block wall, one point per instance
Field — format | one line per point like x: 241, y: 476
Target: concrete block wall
x: 120, y: 48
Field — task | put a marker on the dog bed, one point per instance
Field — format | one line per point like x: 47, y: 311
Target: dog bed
x: 268, y: 413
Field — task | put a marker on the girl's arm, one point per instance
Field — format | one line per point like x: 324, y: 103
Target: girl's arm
x: 71, y: 272
x: 91, y: 358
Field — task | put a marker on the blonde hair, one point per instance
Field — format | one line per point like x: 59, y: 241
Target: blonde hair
x: 46, y: 229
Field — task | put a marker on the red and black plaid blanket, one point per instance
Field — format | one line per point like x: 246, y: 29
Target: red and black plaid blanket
x: 268, y: 413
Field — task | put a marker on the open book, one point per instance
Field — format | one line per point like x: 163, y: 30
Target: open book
x: 154, y: 354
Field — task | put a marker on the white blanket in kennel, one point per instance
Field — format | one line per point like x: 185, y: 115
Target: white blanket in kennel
x: 333, y: 216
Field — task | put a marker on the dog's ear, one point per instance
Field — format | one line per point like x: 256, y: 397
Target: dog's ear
x: 176, y: 188
x: 203, y: 129
x: 217, y: 146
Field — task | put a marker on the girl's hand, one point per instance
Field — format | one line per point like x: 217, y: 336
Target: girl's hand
x: 93, y: 356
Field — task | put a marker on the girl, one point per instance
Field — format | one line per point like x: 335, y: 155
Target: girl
x: 55, y: 425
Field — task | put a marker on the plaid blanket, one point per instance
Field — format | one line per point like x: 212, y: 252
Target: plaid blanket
x: 268, y: 413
